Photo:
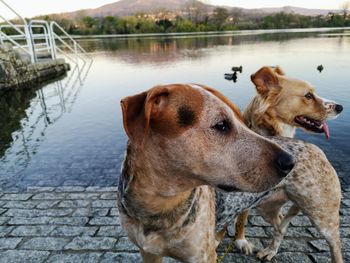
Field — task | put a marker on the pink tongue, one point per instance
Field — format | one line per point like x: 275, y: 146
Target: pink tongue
x: 326, y: 130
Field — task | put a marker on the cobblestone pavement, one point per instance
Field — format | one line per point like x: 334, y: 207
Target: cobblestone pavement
x: 78, y: 224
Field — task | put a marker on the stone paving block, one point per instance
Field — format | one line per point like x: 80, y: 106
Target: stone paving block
x: 296, y: 232
x: 91, y: 243
x: 258, y: 221
x: 46, y: 204
x: 70, y: 189
x: 74, y: 203
x: 104, y: 203
x: 101, y: 189
x: 20, y: 204
x: 72, y: 221
x: 314, y: 232
x: 4, y: 230
x: 301, y: 221
x: 29, y: 221
x: 295, y: 245
x: 344, y: 221
x: 249, y: 231
x: 291, y: 257
x: 37, y: 213
x: 16, y: 197
x: 111, y: 231
x: 345, y: 202
x: 344, y: 231
x: 114, y: 212
x: 121, y: 257
x: 91, y: 212
x: 22, y: 231
x: 320, y: 244
x: 321, y: 257
x: 4, y: 219
x: 100, y: 221
x: 109, y: 196
x: 49, y: 196
x: 9, y: 242
x: 45, y: 243
x: 23, y: 256
x: 39, y: 189
x: 125, y: 245
x: 238, y: 258
x: 75, y: 258
x: 345, y: 244
x: 86, y: 196
x: 68, y: 231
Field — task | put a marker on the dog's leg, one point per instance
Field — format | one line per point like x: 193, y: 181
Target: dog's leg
x: 269, y: 252
x: 150, y: 258
x: 220, y: 235
x: 328, y: 225
x: 270, y: 209
x: 240, y: 241
x: 333, y: 240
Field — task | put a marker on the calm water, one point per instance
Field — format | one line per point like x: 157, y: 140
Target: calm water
x: 70, y: 134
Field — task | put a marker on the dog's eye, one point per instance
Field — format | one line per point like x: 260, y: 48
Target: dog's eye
x: 222, y: 126
x: 309, y: 96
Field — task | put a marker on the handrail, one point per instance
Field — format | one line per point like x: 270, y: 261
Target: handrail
x: 36, y: 42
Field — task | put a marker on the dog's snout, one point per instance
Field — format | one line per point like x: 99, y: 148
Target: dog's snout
x: 285, y: 163
x: 338, y: 108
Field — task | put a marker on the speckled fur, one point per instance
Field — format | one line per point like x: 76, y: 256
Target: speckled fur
x: 175, y: 157
x: 313, y: 185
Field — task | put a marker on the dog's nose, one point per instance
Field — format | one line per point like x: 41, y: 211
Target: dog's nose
x: 338, y: 108
x: 285, y: 163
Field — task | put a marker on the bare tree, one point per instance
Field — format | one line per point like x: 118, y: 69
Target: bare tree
x: 345, y: 8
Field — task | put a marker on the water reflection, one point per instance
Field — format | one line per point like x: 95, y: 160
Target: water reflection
x: 62, y: 134
x: 163, y: 50
x: 26, y: 114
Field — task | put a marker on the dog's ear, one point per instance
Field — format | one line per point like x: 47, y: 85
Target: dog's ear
x: 139, y: 109
x: 264, y: 79
x: 279, y: 70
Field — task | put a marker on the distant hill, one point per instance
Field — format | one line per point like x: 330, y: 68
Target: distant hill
x: 130, y: 7
x: 298, y: 10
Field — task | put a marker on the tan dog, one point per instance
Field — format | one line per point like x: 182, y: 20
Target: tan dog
x: 281, y: 105
x: 184, y: 139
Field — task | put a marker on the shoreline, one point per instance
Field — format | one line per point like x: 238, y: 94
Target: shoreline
x: 212, y: 33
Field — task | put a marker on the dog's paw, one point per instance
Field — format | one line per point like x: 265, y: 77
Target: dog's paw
x: 244, y: 246
x: 266, y: 254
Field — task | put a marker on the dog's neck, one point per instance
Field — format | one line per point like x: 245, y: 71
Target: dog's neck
x: 259, y: 118
x: 140, y: 186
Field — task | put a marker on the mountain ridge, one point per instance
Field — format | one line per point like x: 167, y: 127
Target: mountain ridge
x: 131, y: 7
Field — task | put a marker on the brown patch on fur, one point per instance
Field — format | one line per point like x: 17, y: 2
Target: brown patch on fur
x: 157, y: 108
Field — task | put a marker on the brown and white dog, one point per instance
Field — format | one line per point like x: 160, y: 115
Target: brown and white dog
x: 183, y: 141
x: 281, y: 105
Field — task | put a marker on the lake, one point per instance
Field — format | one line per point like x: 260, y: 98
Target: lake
x: 70, y: 133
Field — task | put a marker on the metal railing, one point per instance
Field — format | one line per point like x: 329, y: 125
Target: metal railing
x: 41, y: 39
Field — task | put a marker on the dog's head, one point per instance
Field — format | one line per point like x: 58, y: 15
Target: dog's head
x: 294, y: 101
x: 193, y: 135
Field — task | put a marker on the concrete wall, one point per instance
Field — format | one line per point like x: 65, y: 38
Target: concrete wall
x: 17, y: 72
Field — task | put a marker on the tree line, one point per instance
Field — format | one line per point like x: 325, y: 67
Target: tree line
x: 220, y: 19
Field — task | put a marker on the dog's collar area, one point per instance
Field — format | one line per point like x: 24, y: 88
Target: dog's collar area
x: 182, y: 215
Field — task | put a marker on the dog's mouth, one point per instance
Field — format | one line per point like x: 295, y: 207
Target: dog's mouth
x: 312, y: 125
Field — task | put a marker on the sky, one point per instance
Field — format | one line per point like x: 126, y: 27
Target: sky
x: 29, y: 8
